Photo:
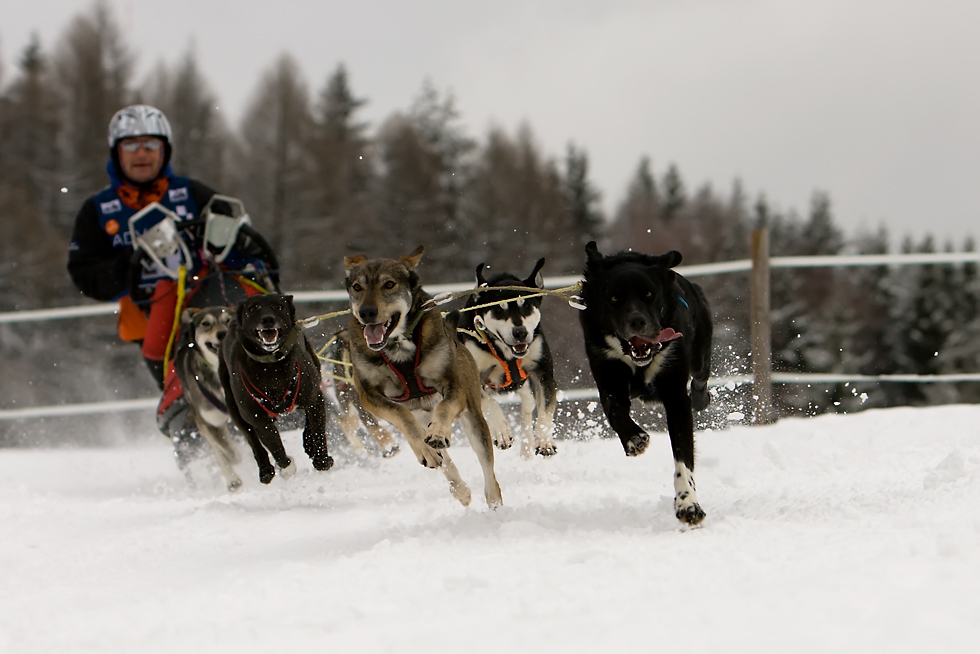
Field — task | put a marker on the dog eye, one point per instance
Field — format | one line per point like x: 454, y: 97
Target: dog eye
x: 649, y: 293
x: 389, y: 284
x: 614, y: 299
x: 357, y: 287
x: 277, y: 307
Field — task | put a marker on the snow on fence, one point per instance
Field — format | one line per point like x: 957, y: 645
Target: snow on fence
x: 762, y: 376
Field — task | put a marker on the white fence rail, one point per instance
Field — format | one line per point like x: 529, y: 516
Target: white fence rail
x: 703, y: 270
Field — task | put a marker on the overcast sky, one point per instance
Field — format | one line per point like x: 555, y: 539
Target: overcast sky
x: 876, y: 102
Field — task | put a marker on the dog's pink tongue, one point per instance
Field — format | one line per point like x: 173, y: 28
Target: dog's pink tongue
x: 668, y: 334
x: 374, y: 334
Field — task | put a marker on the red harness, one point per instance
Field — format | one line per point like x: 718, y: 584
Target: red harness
x: 408, y: 373
x: 270, y: 406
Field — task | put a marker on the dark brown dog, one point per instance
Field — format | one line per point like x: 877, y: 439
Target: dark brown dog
x: 267, y: 369
x: 409, y: 366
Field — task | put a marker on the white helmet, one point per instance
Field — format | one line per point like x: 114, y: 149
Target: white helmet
x: 138, y: 120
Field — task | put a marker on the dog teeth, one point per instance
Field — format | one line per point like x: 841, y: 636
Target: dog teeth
x: 269, y: 336
x: 375, y: 334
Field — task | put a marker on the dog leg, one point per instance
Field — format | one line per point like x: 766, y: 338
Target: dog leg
x: 315, y: 432
x: 381, y: 436
x: 220, y: 441
x: 527, y: 421
x: 680, y: 426
x: 686, y: 506
x: 478, y: 433
x: 384, y: 439
x: 440, y: 431
x: 544, y: 424
x: 405, y: 422
x: 349, y: 424
x: 268, y: 437
x: 499, y: 429
x: 457, y: 487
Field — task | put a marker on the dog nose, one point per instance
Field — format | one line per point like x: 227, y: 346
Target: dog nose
x: 368, y: 313
x: 268, y: 321
x: 221, y: 335
x: 520, y: 333
x: 637, y: 322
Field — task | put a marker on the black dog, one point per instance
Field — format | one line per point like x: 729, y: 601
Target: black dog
x: 509, y: 347
x: 267, y: 369
x: 647, y: 332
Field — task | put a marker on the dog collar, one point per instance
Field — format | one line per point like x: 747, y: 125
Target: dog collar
x: 281, y: 352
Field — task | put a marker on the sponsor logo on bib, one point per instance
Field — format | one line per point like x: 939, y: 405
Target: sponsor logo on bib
x: 112, y: 206
x: 111, y: 226
x: 177, y: 194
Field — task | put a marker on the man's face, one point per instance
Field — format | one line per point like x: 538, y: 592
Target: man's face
x: 138, y: 159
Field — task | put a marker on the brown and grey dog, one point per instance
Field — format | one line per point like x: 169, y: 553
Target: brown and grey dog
x: 267, y: 369
x: 196, y: 364
x: 353, y: 415
x: 410, y: 369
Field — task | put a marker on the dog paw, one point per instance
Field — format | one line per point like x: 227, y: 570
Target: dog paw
x: 288, y: 471
x: 700, y: 398
x: 323, y: 462
x: 690, y: 513
x: 390, y: 451
x: 266, y: 476
x: 637, y: 444
x: 546, y: 449
x: 429, y: 457
x: 461, y: 492
x: 502, y: 437
x: 235, y: 485
x: 438, y: 437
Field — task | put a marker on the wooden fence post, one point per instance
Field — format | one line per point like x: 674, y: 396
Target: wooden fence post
x: 761, y: 329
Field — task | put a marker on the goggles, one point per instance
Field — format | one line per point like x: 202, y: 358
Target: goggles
x: 150, y: 145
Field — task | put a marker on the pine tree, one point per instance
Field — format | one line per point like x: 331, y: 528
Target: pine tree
x: 31, y: 246
x: 94, y: 69
x: 674, y: 194
x: 201, y: 138
x: 423, y: 158
x: 639, y: 214
x: 275, y: 133
x: 342, y: 210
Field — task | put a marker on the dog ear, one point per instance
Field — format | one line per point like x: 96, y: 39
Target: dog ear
x: 671, y: 259
x: 452, y: 321
x: 187, y: 317
x: 536, y: 279
x: 480, y: 280
x: 350, y: 262
x: 240, y: 312
x: 412, y: 260
x: 291, y: 305
x: 592, y: 251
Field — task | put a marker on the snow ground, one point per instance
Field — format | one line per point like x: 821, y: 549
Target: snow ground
x: 858, y: 531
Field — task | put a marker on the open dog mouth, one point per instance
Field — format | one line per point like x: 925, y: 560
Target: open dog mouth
x: 642, y: 349
x: 519, y: 349
x: 212, y: 346
x: 376, y: 334
x: 269, y: 338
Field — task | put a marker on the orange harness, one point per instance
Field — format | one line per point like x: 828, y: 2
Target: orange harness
x: 512, y: 368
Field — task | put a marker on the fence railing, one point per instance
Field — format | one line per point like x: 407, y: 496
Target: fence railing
x: 761, y: 377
